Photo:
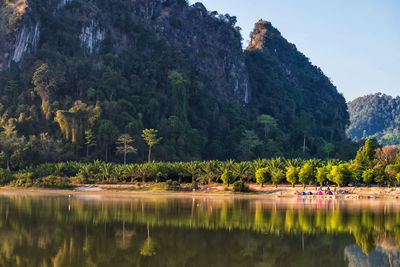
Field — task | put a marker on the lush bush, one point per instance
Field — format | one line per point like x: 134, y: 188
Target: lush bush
x: 227, y: 177
x: 262, y: 176
x: 195, y: 185
x: 240, y: 186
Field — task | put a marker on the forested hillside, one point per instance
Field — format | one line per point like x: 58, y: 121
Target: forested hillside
x: 76, y: 75
x: 376, y: 116
x: 296, y: 93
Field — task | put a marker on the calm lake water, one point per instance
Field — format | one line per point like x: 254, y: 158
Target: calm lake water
x: 88, y: 230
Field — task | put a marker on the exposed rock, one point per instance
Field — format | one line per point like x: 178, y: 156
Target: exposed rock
x: 211, y: 42
x: 91, y: 36
x: 27, y: 41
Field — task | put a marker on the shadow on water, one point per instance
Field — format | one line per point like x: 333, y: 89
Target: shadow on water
x: 92, y: 230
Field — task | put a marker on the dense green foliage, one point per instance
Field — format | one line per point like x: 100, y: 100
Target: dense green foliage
x: 384, y: 169
x: 67, y: 101
x: 376, y: 116
x: 300, y: 99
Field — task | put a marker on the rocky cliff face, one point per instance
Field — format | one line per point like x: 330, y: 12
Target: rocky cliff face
x: 166, y: 65
x: 209, y: 41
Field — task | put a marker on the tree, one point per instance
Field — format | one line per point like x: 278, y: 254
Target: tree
x: 179, y: 95
x: 90, y: 140
x: 228, y: 178
x: 209, y: 169
x: 328, y: 148
x: 380, y: 174
x: 277, y: 176
x: 240, y: 170
x: 292, y: 174
x: 50, y: 150
x: 340, y: 174
x: 322, y: 174
x: 368, y: 176
x: 306, y: 174
x: 75, y: 121
x: 124, y: 147
x: 366, y: 154
x: 247, y: 145
x: 192, y: 168
x: 268, y: 122
x: 386, y: 154
x: 263, y: 175
x: 150, y: 136
x: 392, y: 170
x: 10, y: 141
x: 46, y: 80
x: 107, y: 133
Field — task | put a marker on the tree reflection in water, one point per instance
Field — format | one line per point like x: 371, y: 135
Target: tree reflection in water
x: 201, y: 231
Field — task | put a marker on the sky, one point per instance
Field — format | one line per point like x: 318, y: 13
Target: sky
x: 355, y: 42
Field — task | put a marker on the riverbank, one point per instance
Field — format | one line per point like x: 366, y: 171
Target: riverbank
x: 284, y: 191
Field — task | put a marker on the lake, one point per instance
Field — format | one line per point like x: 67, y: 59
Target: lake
x: 98, y: 230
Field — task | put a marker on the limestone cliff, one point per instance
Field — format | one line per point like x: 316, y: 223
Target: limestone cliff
x: 210, y: 41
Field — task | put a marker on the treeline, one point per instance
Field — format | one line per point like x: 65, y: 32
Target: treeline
x: 373, y: 164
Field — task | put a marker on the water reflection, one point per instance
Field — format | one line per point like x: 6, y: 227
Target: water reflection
x: 157, y: 231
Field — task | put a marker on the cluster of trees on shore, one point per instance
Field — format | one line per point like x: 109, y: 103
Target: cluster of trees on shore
x: 373, y: 164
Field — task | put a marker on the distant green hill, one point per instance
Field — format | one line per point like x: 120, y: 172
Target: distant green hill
x: 377, y: 116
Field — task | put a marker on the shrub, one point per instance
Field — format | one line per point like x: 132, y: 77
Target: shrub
x: 306, y: 174
x: 292, y: 174
x: 169, y: 185
x: 227, y: 177
x: 240, y: 186
x: 277, y: 176
x: 5, y: 176
x: 23, y: 179
x: 368, y: 176
x: 54, y: 181
x: 195, y: 185
x: 262, y: 176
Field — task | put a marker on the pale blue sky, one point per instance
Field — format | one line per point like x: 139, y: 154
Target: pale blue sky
x: 355, y: 42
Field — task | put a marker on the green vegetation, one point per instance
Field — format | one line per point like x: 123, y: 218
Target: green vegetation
x: 296, y: 105
x: 375, y: 116
x: 380, y: 166
x: 67, y: 102
x: 227, y: 177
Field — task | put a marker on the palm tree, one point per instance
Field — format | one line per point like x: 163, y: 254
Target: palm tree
x: 106, y: 170
x: 118, y: 173
x: 131, y: 171
x: 209, y: 170
x: 241, y: 170
x: 192, y: 168
x: 146, y: 171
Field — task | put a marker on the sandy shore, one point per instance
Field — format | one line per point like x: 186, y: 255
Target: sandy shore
x: 212, y: 190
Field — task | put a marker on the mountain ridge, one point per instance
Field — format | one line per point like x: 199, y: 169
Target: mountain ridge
x: 128, y: 65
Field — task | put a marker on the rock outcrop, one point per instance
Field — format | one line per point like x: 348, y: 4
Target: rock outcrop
x: 209, y: 40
